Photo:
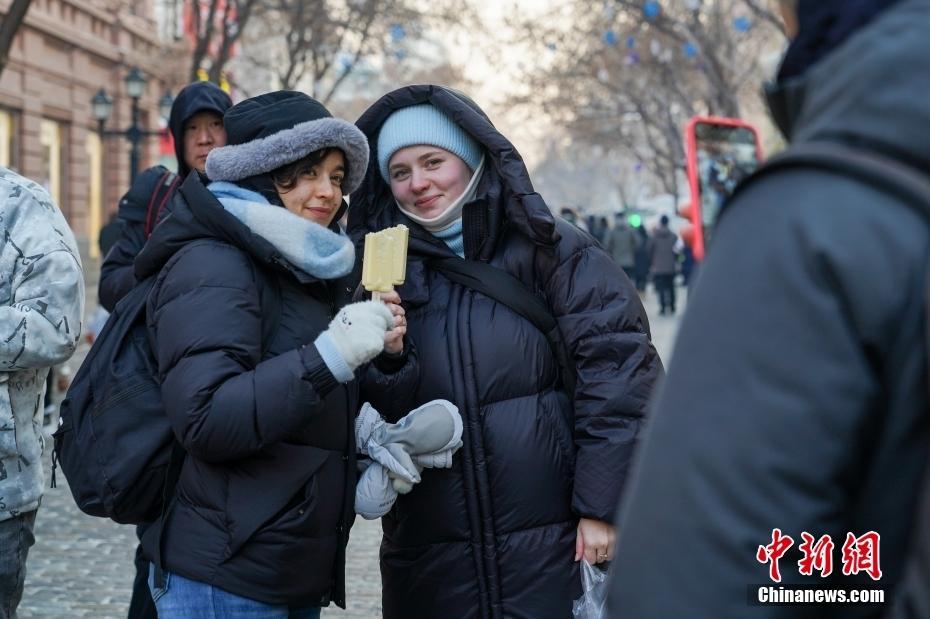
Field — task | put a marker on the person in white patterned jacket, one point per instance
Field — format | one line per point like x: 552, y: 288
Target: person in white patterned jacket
x: 41, y: 308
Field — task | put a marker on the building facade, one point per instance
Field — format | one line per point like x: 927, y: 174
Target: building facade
x: 64, y: 53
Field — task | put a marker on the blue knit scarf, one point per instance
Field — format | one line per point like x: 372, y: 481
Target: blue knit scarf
x: 452, y: 236
x: 316, y: 250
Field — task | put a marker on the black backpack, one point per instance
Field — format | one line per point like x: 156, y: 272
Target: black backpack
x: 148, y: 197
x: 114, y: 443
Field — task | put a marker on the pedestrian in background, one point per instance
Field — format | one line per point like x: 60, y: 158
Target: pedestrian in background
x: 196, y: 124
x: 257, y: 366
x: 797, y: 395
x: 622, y: 242
x: 40, y: 325
x: 643, y: 259
x: 570, y: 215
x: 532, y: 487
x: 664, y: 265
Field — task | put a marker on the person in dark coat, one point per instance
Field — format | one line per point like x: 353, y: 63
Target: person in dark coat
x: 622, y: 242
x: 196, y: 124
x: 256, y: 372
x: 664, y: 265
x: 530, y: 492
x: 797, y: 396
x: 642, y: 259
x: 109, y: 234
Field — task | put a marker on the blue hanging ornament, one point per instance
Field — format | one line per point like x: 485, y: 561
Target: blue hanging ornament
x: 551, y: 47
x: 638, y: 167
x: 651, y: 9
x: 632, y: 58
x: 630, y: 42
x: 398, y: 32
x: 690, y: 50
x: 742, y: 24
x: 610, y: 38
x: 346, y: 63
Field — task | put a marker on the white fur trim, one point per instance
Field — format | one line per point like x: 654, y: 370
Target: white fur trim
x: 238, y: 161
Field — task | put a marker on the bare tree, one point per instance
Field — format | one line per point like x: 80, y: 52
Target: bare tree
x: 218, y: 26
x: 321, y: 43
x: 8, y: 29
x: 624, y: 77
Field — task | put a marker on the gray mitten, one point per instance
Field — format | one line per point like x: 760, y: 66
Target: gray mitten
x: 425, y: 437
x: 374, y: 494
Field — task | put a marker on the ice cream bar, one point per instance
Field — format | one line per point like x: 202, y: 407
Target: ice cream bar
x: 384, y: 264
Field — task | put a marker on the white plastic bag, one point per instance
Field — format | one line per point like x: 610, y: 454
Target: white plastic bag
x: 593, y: 602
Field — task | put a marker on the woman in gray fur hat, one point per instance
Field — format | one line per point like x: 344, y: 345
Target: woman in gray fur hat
x: 257, y: 364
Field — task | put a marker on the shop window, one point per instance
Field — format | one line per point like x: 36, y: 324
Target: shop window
x: 94, y: 191
x: 51, y: 135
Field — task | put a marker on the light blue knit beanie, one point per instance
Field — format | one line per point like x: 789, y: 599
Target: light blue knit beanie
x: 424, y: 124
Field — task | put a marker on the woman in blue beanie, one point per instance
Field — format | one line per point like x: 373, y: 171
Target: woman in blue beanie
x: 256, y: 362
x: 535, y: 486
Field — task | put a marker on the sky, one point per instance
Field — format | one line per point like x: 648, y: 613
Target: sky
x: 494, y: 78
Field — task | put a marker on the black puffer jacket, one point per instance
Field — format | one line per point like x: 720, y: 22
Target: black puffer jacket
x: 495, y: 535
x: 264, y: 499
x: 148, y: 200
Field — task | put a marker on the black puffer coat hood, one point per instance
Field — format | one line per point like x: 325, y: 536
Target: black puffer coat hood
x: 194, y: 98
x: 494, y: 536
x: 506, y: 185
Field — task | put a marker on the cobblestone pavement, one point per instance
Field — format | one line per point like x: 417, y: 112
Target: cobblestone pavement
x: 82, y: 566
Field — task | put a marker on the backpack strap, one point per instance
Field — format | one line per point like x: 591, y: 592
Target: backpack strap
x: 163, y: 191
x: 909, y: 184
x: 510, y: 291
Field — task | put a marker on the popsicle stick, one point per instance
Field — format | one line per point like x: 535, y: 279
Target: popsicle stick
x: 375, y: 296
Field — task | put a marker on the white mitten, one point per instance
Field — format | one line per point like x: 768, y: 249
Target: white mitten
x: 356, y: 335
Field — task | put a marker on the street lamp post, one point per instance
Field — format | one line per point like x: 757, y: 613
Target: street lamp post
x: 102, y: 106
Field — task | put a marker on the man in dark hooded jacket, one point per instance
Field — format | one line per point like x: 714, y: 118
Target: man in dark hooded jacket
x: 196, y: 123
x: 797, y: 396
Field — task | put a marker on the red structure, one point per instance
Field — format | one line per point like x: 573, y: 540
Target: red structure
x: 694, y: 210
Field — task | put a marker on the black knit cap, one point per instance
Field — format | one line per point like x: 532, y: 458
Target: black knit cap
x: 271, y: 130
x: 270, y: 113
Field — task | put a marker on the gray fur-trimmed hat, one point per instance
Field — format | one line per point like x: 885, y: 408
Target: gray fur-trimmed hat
x: 268, y: 131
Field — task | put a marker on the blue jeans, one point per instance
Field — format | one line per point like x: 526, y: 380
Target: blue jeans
x: 181, y: 598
